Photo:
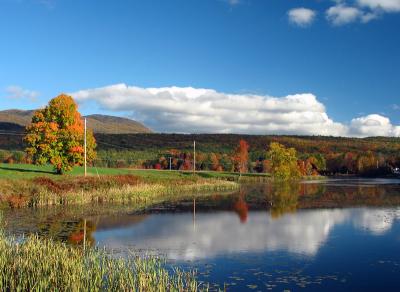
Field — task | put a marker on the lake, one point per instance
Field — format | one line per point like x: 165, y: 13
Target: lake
x: 330, y: 235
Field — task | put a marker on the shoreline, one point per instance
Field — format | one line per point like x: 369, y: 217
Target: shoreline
x: 114, y: 189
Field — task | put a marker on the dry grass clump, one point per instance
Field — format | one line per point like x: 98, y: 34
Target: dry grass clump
x: 85, y: 183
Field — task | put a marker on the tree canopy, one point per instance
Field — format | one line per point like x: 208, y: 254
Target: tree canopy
x: 56, y: 135
x: 283, y: 161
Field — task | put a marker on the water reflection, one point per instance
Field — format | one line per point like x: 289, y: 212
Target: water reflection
x: 240, y: 207
x: 271, y: 217
x: 219, y: 233
x: 323, y: 235
x: 284, y: 198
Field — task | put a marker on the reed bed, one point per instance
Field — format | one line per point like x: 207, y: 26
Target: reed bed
x: 36, y: 264
x: 125, y: 189
x: 141, y: 194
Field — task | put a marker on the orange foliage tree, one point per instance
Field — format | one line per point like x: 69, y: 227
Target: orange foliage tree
x: 241, y: 156
x: 56, y: 135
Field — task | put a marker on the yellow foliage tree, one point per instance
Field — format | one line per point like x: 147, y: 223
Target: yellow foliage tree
x: 283, y: 161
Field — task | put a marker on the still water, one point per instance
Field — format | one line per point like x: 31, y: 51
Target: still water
x: 333, y: 235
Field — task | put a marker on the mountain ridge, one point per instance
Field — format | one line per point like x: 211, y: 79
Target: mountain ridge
x: 17, y: 120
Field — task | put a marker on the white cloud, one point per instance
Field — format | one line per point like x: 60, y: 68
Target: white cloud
x: 199, y: 110
x: 360, y: 10
x: 342, y: 14
x: 17, y: 92
x: 384, y: 5
x: 301, y: 16
x: 373, y: 125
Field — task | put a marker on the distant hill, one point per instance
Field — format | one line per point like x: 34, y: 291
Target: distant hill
x: 17, y: 120
x: 115, y: 125
x: 17, y: 117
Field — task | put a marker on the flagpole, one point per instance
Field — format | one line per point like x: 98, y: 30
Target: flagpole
x: 85, y: 148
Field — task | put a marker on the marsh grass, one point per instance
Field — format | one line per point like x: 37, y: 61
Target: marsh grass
x: 141, y: 194
x: 36, y: 264
x: 124, y: 189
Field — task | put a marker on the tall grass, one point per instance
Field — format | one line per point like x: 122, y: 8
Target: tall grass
x: 141, y: 194
x: 126, y: 189
x: 36, y: 264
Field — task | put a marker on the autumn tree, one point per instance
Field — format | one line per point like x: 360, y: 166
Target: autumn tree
x: 283, y: 161
x: 214, y: 162
x: 56, y: 135
x: 241, y: 156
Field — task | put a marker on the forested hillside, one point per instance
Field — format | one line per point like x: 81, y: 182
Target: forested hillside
x: 316, y: 154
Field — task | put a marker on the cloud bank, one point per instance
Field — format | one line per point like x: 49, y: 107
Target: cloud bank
x: 200, y: 110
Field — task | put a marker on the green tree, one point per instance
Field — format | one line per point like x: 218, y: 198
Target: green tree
x: 283, y: 161
x: 56, y: 135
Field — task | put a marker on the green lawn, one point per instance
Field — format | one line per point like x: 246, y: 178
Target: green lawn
x: 17, y: 171
x: 30, y: 171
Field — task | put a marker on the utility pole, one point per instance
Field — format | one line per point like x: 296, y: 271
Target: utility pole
x: 194, y: 156
x: 85, y: 148
x: 170, y: 163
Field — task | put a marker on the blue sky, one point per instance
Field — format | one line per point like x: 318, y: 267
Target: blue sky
x: 345, y: 53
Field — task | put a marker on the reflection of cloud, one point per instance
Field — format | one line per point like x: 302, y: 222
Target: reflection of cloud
x: 221, y: 233
x: 377, y: 221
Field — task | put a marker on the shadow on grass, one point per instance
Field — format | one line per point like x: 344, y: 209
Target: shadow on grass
x: 26, y: 170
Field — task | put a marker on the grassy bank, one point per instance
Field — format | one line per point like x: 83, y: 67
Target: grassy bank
x: 125, y: 189
x: 18, y: 171
x: 42, y: 265
x: 22, y: 186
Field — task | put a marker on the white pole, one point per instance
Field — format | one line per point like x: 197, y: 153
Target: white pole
x: 85, y: 148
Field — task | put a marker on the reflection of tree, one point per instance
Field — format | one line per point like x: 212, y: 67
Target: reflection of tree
x: 312, y: 189
x: 241, y: 208
x: 71, y: 231
x: 283, y: 198
x: 77, y: 235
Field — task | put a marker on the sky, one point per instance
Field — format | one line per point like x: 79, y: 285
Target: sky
x: 314, y: 67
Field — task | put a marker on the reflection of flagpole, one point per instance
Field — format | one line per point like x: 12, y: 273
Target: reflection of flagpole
x: 194, y: 214
x: 84, y: 234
